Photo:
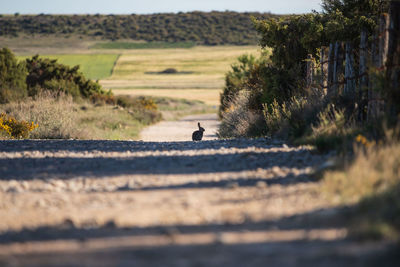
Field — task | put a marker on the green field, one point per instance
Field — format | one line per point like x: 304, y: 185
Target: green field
x: 201, y: 69
x: 93, y: 66
x: 149, y: 45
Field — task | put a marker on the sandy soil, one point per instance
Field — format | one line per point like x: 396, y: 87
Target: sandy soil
x: 174, y: 203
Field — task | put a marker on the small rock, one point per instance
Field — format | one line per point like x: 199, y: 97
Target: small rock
x: 277, y: 171
x: 125, y: 187
x: 110, y: 224
x: 14, y: 189
x: 25, y: 185
x: 261, y: 184
x: 67, y: 224
x: 232, y: 185
x: 40, y: 203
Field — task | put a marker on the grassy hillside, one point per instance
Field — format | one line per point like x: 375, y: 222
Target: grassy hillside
x: 207, y: 28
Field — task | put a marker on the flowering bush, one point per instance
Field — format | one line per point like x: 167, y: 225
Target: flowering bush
x: 14, y: 128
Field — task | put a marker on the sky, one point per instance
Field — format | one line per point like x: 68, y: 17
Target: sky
x: 154, y: 6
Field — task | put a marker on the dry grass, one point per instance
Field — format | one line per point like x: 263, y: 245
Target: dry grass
x: 372, y: 184
x: 61, y: 118
x: 108, y: 122
x: 239, y: 121
x: 374, y: 170
x: 54, y: 114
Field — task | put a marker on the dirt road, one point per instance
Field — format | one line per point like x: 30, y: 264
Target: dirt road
x: 210, y: 203
x: 182, y: 130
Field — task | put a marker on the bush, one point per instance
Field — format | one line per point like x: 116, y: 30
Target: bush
x: 12, y: 77
x: 14, y: 128
x: 264, y: 83
x: 169, y: 71
x: 47, y: 74
x: 235, y: 81
x: 333, y: 130
x: 287, y: 120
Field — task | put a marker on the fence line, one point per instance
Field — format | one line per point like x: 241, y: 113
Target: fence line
x: 338, y: 70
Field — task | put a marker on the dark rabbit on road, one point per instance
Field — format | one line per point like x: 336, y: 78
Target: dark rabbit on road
x: 198, y: 135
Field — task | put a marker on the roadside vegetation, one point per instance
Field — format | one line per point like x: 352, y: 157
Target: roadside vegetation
x: 273, y: 95
x: 57, y: 101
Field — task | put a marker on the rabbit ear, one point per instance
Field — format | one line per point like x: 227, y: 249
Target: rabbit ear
x: 198, y: 124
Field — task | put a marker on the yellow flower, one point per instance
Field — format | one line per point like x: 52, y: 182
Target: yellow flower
x: 363, y: 140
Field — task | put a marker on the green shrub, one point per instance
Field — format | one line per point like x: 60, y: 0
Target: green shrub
x: 12, y: 77
x: 235, y: 81
x: 47, y: 74
x: 334, y: 130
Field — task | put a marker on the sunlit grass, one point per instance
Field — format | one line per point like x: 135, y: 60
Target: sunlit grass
x: 93, y: 66
x: 206, y: 67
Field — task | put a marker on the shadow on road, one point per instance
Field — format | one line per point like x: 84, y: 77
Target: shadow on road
x: 45, y: 167
x: 196, y: 245
x: 119, y: 146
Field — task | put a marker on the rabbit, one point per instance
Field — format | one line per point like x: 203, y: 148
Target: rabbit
x: 198, y: 135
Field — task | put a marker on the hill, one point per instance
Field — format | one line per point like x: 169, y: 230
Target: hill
x: 205, y: 28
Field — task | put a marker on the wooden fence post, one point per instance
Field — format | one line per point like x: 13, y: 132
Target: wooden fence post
x: 331, y: 56
x: 393, y: 47
x: 380, y: 60
x: 310, y: 70
x: 349, y: 74
x: 372, y: 103
x: 324, y: 67
x: 362, y: 96
x: 337, y: 67
x: 383, y: 41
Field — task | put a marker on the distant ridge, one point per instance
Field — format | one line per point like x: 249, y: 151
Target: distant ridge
x: 205, y: 28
